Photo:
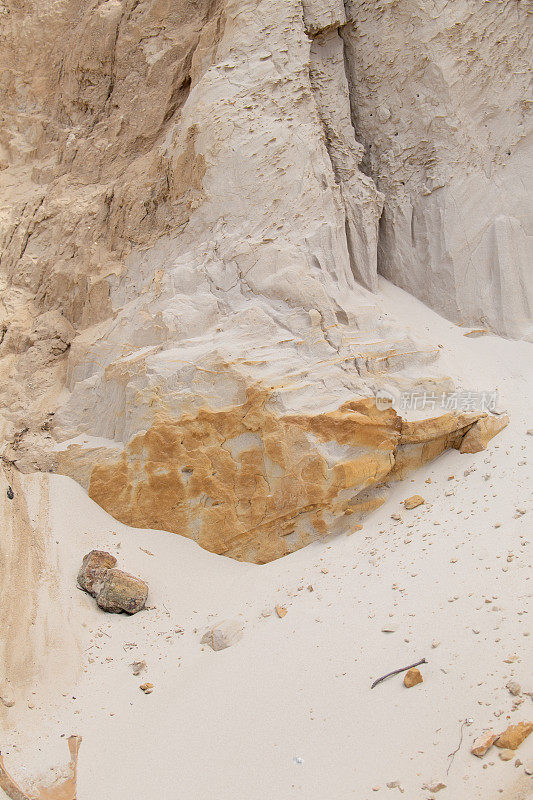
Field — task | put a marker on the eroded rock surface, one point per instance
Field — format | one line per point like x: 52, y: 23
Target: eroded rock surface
x: 245, y: 482
x: 441, y: 100
x: 188, y: 246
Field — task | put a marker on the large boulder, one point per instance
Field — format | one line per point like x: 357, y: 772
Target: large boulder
x: 113, y: 589
x: 122, y: 592
x: 93, y: 570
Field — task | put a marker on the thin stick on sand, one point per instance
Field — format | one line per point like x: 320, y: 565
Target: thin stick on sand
x: 397, y: 672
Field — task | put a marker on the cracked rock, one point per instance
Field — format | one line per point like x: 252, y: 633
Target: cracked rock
x: 122, y: 592
x: 93, y: 569
x: 114, y: 590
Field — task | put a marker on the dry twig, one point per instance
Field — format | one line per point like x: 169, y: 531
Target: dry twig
x: 451, y: 756
x: 397, y: 672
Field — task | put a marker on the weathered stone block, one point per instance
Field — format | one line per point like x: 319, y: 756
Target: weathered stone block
x: 122, y: 592
x: 93, y: 570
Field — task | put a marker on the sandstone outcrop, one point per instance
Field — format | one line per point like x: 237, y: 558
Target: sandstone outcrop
x: 189, y: 243
x: 245, y: 482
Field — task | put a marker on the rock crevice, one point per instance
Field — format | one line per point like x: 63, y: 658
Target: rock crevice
x: 361, y: 201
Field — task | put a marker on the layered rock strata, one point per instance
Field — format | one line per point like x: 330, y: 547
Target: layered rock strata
x: 247, y: 483
x: 187, y: 251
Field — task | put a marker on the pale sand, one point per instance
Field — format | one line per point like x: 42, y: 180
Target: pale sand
x: 230, y: 724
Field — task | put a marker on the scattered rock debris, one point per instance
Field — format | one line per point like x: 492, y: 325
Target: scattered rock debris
x: 414, y: 501
x: 397, y: 672
x: 483, y: 743
x: 395, y: 785
x: 281, y: 611
x: 434, y: 786
x: 147, y: 688
x: 514, y: 687
x: 222, y: 635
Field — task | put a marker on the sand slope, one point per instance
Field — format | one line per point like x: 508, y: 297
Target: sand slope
x: 231, y: 724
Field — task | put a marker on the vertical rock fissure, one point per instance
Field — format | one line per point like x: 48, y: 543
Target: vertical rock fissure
x: 361, y: 201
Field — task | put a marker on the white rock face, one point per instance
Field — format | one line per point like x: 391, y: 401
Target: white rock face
x: 441, y: 100
x: 189, y: 249
x: 260, y: 283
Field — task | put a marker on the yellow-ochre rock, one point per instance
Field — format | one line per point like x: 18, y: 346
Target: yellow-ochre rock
x: 248, y: 483
x: 482, y: 432
x: 512, y: 738
x: 412, y: 678
x: 483, y: 743
x: 413, y: 502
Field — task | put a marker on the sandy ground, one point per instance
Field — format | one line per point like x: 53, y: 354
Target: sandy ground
x: 287, y: 712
